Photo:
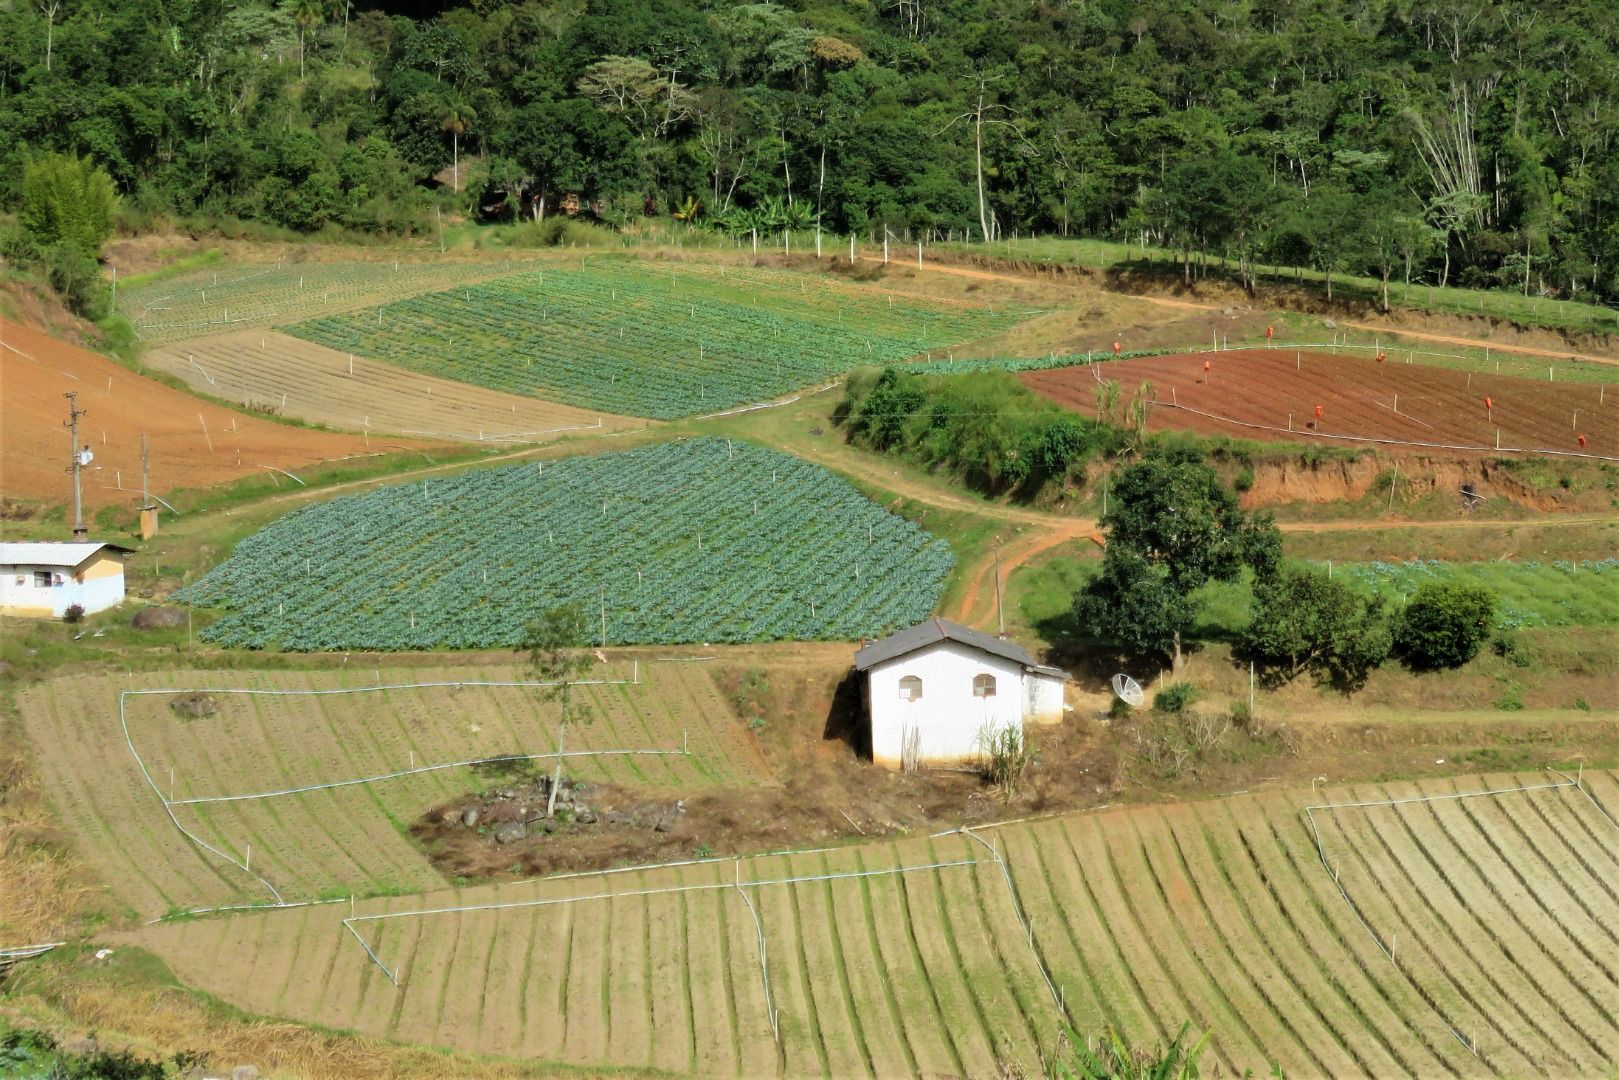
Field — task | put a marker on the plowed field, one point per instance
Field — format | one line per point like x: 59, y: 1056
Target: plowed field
x: 309, y: 382
x: 1472, y: 937
x: 1259, y: 393
x: 191, y: 444
x: 283, y: 736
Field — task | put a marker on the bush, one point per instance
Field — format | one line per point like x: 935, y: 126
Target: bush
x: 73, y: 614
x: 1174, y: 698
x: 1443, y: 625
x: 67, y: 200
x: 1006, y: 756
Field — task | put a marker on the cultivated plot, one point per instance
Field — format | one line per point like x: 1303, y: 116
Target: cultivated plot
x: 892, y: 960
x: 263, y: 784
x: 661, y: 341
x: 695, y: 541
x: 1272, y: 394
x: 1470, y: 937
x: 273, y: 373
x: 216, y: 301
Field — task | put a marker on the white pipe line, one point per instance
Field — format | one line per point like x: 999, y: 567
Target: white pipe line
x: 379, y: 686
x: 1028, y: 931
x: 1321, y: 854
x: 420, y: 769
x: 123, y: 720
x: 764, y: 966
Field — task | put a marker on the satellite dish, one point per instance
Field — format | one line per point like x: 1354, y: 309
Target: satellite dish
x: 1128, y: 690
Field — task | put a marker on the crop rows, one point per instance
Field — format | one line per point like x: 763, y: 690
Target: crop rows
x: 628, y: 338
x: 347, y: 839
x: 1562, y: 593
x: 1499, y: 913
x: 886, y: 975
x: 698, y: 541
x: 214, y: 301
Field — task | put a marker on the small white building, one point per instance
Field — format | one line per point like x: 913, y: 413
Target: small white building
x: 43, y: 580
x: 940, y: 689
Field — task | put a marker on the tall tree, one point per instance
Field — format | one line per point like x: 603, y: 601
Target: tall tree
x: 1172, y: 527
x: 555, y: 642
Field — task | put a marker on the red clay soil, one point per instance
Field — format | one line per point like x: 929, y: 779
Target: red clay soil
x: 36, y: 370
x: 1251, y: 393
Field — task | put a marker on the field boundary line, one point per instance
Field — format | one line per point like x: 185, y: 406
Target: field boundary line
x: 1386, y: 948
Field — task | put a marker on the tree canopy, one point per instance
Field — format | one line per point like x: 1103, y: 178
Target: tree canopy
x: 1172, y: 527
x: 1471, y: 144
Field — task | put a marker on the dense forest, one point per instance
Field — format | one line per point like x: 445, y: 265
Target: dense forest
x: 1471, y: 142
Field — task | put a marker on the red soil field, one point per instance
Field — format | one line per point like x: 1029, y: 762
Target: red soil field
x: 36, y: 370
x: 1358, y: 398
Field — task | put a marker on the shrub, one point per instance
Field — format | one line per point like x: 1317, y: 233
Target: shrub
x: 1174, y: 698
x: 73, y: 614
x: 67, y: 200
x: 1006, y: 756
x: 1443, y: 625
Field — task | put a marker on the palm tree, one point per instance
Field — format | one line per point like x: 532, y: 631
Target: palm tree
x: 458, y: 116
x: 306, y: 13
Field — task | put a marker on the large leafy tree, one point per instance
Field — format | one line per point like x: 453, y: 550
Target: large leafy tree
x: 1304, y: 621
x: 1172, y: 527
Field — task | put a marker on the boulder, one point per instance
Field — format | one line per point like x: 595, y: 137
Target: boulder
x: 511, y: 832
x: 469, y: 817
x: 245, y: 1072
x: 158, y: 618
x: 584, y: 815
x: 195, y: 705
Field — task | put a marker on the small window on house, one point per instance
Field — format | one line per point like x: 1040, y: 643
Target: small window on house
x: 983, y: 686
x: 910, y: 688
x: 42, y: 579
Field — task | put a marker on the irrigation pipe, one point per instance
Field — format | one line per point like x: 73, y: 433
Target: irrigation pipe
x: 1157, y: 403
x: 285, y: 473
x: 764, y: 965
x: 9, y: 956
x: 1057, y: 999
x: 1384, y: 948
x: 123, y: 720
x: 423, y: 769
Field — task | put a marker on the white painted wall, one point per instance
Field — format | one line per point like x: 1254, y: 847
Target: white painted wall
x: 96, y: 594
x: 1043, y: 697
x: 949, y: 717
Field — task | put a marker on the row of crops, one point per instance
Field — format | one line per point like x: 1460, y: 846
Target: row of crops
x: 215, y: 301
x: 657, y: 341
x: 696, y: 541
x: 1532, y: 593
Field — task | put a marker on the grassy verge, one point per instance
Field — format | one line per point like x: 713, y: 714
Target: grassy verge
x: 1514, y: 307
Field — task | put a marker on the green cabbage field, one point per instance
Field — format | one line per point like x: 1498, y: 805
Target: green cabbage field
x: 692, y: 541
x: 659, y: 341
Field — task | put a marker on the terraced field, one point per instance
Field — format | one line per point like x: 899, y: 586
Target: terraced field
x: 663, y: 341
x: 1487, y: 946
x: 300, y: 729
x: 273, y: 373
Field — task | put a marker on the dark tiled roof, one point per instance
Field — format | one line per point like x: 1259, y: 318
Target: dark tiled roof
x: 933, y: 631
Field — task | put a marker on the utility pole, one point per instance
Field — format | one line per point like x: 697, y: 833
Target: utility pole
x: 148, y: 508
x: 1000, y: 617
x: 80, y: 459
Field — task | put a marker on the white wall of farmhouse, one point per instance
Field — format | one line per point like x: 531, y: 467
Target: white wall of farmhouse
x: 950, y: 718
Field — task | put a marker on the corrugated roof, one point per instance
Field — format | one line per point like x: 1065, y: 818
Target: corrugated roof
x: 48, y: 553
x: 933, y: 631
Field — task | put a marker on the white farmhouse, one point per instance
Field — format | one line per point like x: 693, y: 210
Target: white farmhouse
x: 935, y: 692
x: 43, y: 580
